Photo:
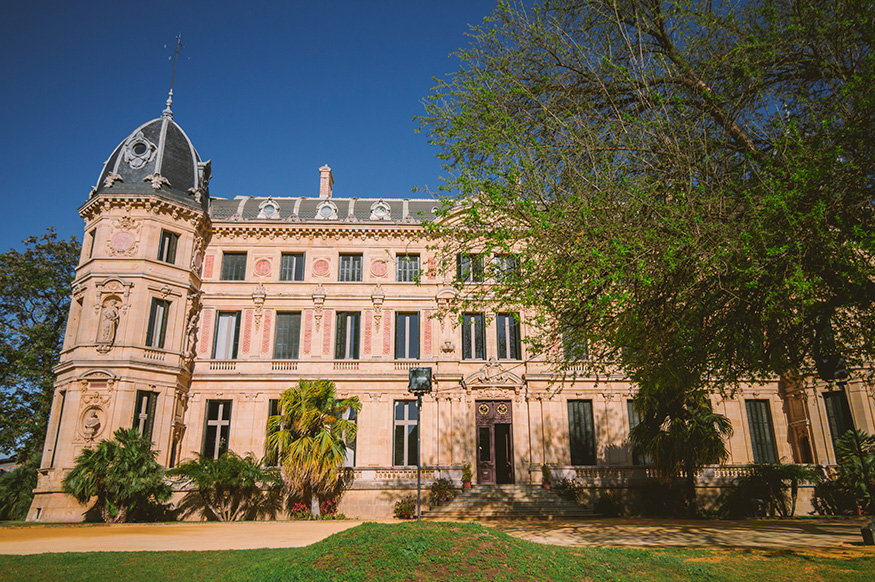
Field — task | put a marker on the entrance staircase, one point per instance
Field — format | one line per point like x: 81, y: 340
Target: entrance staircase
x: 507, y: 502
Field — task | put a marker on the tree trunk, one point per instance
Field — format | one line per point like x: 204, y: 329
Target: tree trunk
x: 314, y: 502
x: 692, y: 506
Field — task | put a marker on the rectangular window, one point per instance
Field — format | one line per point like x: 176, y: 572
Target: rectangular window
x: 227, y: 334
x: 292, y: 267
x: 406, y: 268
x: 157, y: 323
x: 575, y: 347
x: 218, y: 428
x: 144, y: 412
x: 469, y: 268
x: 506, y: 268
x: 63, y: 396
x: 350, y: 268
x: 349, y: 459
x: 638, y: 457
x: 406, y: 336
x: 406, y: 415
x: 508, y: 337
x: 838, y: 414
x: 167, y: 246
x: 91, y: 236
x: 271, y: 457
x: 762, y: 439
x: 346, y: 342
x: 234, y: 267
x: 473, y: 337
x: 288, y: 336
x: 581, y: 432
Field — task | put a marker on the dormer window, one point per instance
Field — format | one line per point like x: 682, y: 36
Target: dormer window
x: 380, y: 211
x: 326, y: 211
x: 269, y: 209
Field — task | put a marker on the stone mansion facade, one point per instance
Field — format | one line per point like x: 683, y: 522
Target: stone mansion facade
x: 191, y: 314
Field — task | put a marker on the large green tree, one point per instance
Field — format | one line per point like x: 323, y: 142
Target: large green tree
x: 310, y: 436
x: 687, y: 185
x: 121, y: 475
x: 34, y: 302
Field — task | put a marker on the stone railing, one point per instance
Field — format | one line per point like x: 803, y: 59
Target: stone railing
x: 402, y: 477
x: 284, y: 365
x: 311, y: 368
x: 151, y: 354
x: 617, y: 475
x: 223, y: 365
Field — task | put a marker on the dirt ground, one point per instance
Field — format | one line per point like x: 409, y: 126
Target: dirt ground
x: 823, y: 536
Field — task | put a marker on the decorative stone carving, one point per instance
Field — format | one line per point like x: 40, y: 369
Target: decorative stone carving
x: 318, y: 304
x: 193, y: 310
x: 124, y: 239
x: 91, y: 424
x: 321, y: 267
x: 113, y: 289
x: 139, y: 151
x: 493, y: 376
x: 197, y: 256
x: 157, y: 180
x: 377, y: 298
x: 269, y: 209
x: 326, y: 211
x: 109, y: 320
x: 380, y: 211
x: 111, y: 178
x: 379, y: 268
x: 262, y: 267
x: 448, y: 347
x: 258, y: 297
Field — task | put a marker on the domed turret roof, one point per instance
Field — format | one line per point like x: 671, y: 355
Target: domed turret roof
x: 157, y: 158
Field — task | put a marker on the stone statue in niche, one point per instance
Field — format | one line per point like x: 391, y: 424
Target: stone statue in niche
x: 91, y: 424
x: 109, y: 319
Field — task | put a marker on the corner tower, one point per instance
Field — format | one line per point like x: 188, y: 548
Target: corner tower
x: 132, y: 330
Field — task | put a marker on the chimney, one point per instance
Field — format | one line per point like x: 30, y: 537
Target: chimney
x: 326, y: 182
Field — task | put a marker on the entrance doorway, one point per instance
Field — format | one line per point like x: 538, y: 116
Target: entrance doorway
x: 494, y: 426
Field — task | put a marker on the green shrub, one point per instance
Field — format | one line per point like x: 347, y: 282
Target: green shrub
x: 441, y: 492
x: 571, y: 489
x: 405, y: 508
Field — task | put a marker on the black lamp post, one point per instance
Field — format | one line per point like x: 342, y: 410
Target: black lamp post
x: 419, y: 384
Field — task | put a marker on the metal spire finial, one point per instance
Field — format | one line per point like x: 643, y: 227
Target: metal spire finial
x: 179, y: 46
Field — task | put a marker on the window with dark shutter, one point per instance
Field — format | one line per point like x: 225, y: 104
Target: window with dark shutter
x: 346, y: 340
x: 144, y: 412
x: 406, y: 336
x: 473, y: 336
x: 762, y: 434
x: 350, y: 268
x: 234, y: 267
x: 288, y: 335
x: 292, y: 267
x: 581, y: 432
x: 508, y: 329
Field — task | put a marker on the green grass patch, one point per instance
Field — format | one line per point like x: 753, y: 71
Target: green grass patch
x: 435, y: 551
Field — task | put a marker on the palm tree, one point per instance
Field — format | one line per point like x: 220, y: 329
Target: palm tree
x: 310, y: 437
x: 230, y: 487
x: 680, y: 432
x: 122, y: 474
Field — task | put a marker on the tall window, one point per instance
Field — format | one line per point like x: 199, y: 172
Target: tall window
x: 227, y: 334
x: 218, y: 428
x: 349, y: 458
x: 167, y: 246
x: 288, y: 336
x: 469, y: 268
x: 157, y: 323
x: 292, y: 267
x: 638, y: 457
x: 405, y: 433
x: 92, y: 234
x: 346, y: 342
x: 406, y: 268
x: 473, y: 337
x: 63, y: 396
x: 406, y: 336
x: 271, y: 457
x: 506, y: 267
x: 762, y: 439
x: 838, y: 414
x: 350, y: 268
x: 234, y: 267
x: 581, y: 432
x: 508, y: 337
x: 144, y: 412
x: 575, y: 347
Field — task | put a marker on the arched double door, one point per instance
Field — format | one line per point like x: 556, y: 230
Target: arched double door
x: 494, y: 425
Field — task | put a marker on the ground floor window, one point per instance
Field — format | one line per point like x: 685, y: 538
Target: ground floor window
x: 144, y: 412
x: 581, y: 432
x: 838, y: 414
x: 406, y: 452
x: 218, y: 428
x: 762, y: 433
x: 638, y: 457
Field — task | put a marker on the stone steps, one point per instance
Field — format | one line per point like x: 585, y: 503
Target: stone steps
x: 508, y: 502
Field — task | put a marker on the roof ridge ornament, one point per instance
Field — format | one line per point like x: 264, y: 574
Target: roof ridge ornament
x: 168, y: 110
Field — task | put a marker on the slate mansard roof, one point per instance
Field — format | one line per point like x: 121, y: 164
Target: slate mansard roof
x: 158, y: 158
x: 342, y: 210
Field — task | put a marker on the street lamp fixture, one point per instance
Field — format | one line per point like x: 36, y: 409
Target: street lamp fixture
x: 419, y: 383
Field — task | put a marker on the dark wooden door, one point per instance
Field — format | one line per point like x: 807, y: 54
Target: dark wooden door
x: 494, y: 442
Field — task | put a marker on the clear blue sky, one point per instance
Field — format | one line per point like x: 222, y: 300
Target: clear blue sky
x: 269, y: 91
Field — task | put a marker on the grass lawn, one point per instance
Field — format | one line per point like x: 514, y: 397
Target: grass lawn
x: 436, y: 551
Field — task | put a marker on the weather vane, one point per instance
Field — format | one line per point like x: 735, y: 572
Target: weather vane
x: 179, y: 47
